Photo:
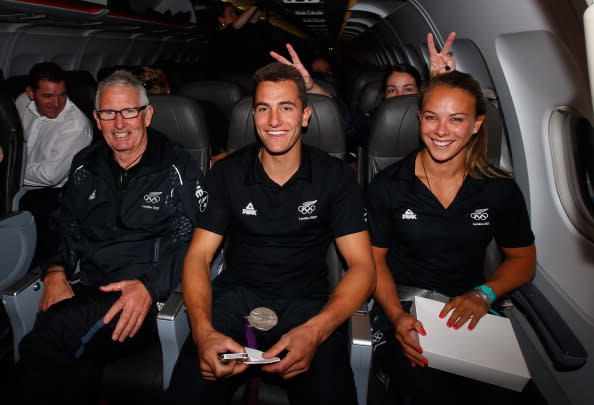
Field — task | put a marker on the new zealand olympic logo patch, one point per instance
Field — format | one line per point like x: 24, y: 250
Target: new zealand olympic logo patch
x: 480, y: 214
x: 480, y: 217
x: 307, y: 208
x: 153, y: 198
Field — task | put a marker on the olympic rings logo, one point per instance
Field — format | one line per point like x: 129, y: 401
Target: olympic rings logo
x: 152, y: 198
x: 306, y: 210
x: 479, y: 216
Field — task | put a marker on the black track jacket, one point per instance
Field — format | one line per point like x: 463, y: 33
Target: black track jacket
x: 144, y: 235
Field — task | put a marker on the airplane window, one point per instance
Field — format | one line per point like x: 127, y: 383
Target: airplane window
x: 572, y: 145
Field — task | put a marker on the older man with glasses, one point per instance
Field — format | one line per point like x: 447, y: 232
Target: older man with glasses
x: 126, y: 217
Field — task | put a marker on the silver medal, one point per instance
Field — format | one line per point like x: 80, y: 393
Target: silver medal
x: 263, y: 318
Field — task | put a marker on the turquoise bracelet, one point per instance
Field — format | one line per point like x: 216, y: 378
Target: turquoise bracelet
x: 487, y: 290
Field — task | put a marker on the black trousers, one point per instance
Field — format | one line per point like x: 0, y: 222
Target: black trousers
x: 55, y: 367
x: 328, y: 381
x: 42, y: 203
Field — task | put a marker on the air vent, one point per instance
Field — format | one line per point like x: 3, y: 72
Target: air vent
x: 31, y: 17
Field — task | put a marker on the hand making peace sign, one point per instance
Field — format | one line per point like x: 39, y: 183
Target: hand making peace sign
x: 441, y: 62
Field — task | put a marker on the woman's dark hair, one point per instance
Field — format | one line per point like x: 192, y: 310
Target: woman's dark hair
x: 403, y: 68
x: 476, y: 164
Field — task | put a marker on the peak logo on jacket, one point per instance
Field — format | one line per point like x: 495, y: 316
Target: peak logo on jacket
x: 152, y: 200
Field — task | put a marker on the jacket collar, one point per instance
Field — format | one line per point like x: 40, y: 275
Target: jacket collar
x: 158, y: 154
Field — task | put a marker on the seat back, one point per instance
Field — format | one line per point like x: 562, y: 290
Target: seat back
x: 371, y: 96
x: 245, y: 81
x: 325, y: 130
x: 217, y: 99
x: 12, y: 166
x: 82, y: 87
x: 394, y: 134
x: 14, y: 85
x: 360, y: 82
x: 17, y: 229
x: 182, y: 120
x: 222, y: 94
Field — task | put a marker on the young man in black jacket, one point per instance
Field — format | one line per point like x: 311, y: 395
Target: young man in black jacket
x: 126, y: 217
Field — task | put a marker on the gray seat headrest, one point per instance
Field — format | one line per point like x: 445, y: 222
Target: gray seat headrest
x: 325, y: 130
x: 182, y: 120
x: 394, y: 134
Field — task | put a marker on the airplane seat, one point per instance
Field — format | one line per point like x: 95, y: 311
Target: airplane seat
x: 217, y: 98
x: 328, y: 86
x: 244, y: 80
x: 371, y: 96
x: 82, y: 87
x: 146, y: 373
x: 14, y: 85
x: 415, y: 60
x: 497, y: 151
x: 326, y: 81
x: 183, y: 120
x: 394, y: 134
x: 13, y: 145
x: 325, y: 130
x: 359, y: 83
x: 17, y: 228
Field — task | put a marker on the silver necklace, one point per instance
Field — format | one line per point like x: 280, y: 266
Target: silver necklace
x: 425, y: 171
x: 427, y: 176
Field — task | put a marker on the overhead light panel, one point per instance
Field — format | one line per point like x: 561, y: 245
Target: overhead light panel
x: 309, y: 12
x: 301, y: 1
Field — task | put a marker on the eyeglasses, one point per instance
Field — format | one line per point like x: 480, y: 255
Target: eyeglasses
x: 127, y: 113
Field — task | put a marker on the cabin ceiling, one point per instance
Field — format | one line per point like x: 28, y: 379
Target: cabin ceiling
x: 324, y: 21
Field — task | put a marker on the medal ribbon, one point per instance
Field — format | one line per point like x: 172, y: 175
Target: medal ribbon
x: 251, y: 394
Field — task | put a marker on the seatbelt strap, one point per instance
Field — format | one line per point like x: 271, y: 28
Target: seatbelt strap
x: 88, y: 336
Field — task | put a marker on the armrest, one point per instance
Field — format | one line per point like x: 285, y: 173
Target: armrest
x: 561, y: 344
x: 21, y: 301
x: 174, y: 328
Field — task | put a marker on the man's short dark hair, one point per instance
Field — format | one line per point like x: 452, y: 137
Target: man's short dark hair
x: 278, y: 72
x: 45, y: 71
